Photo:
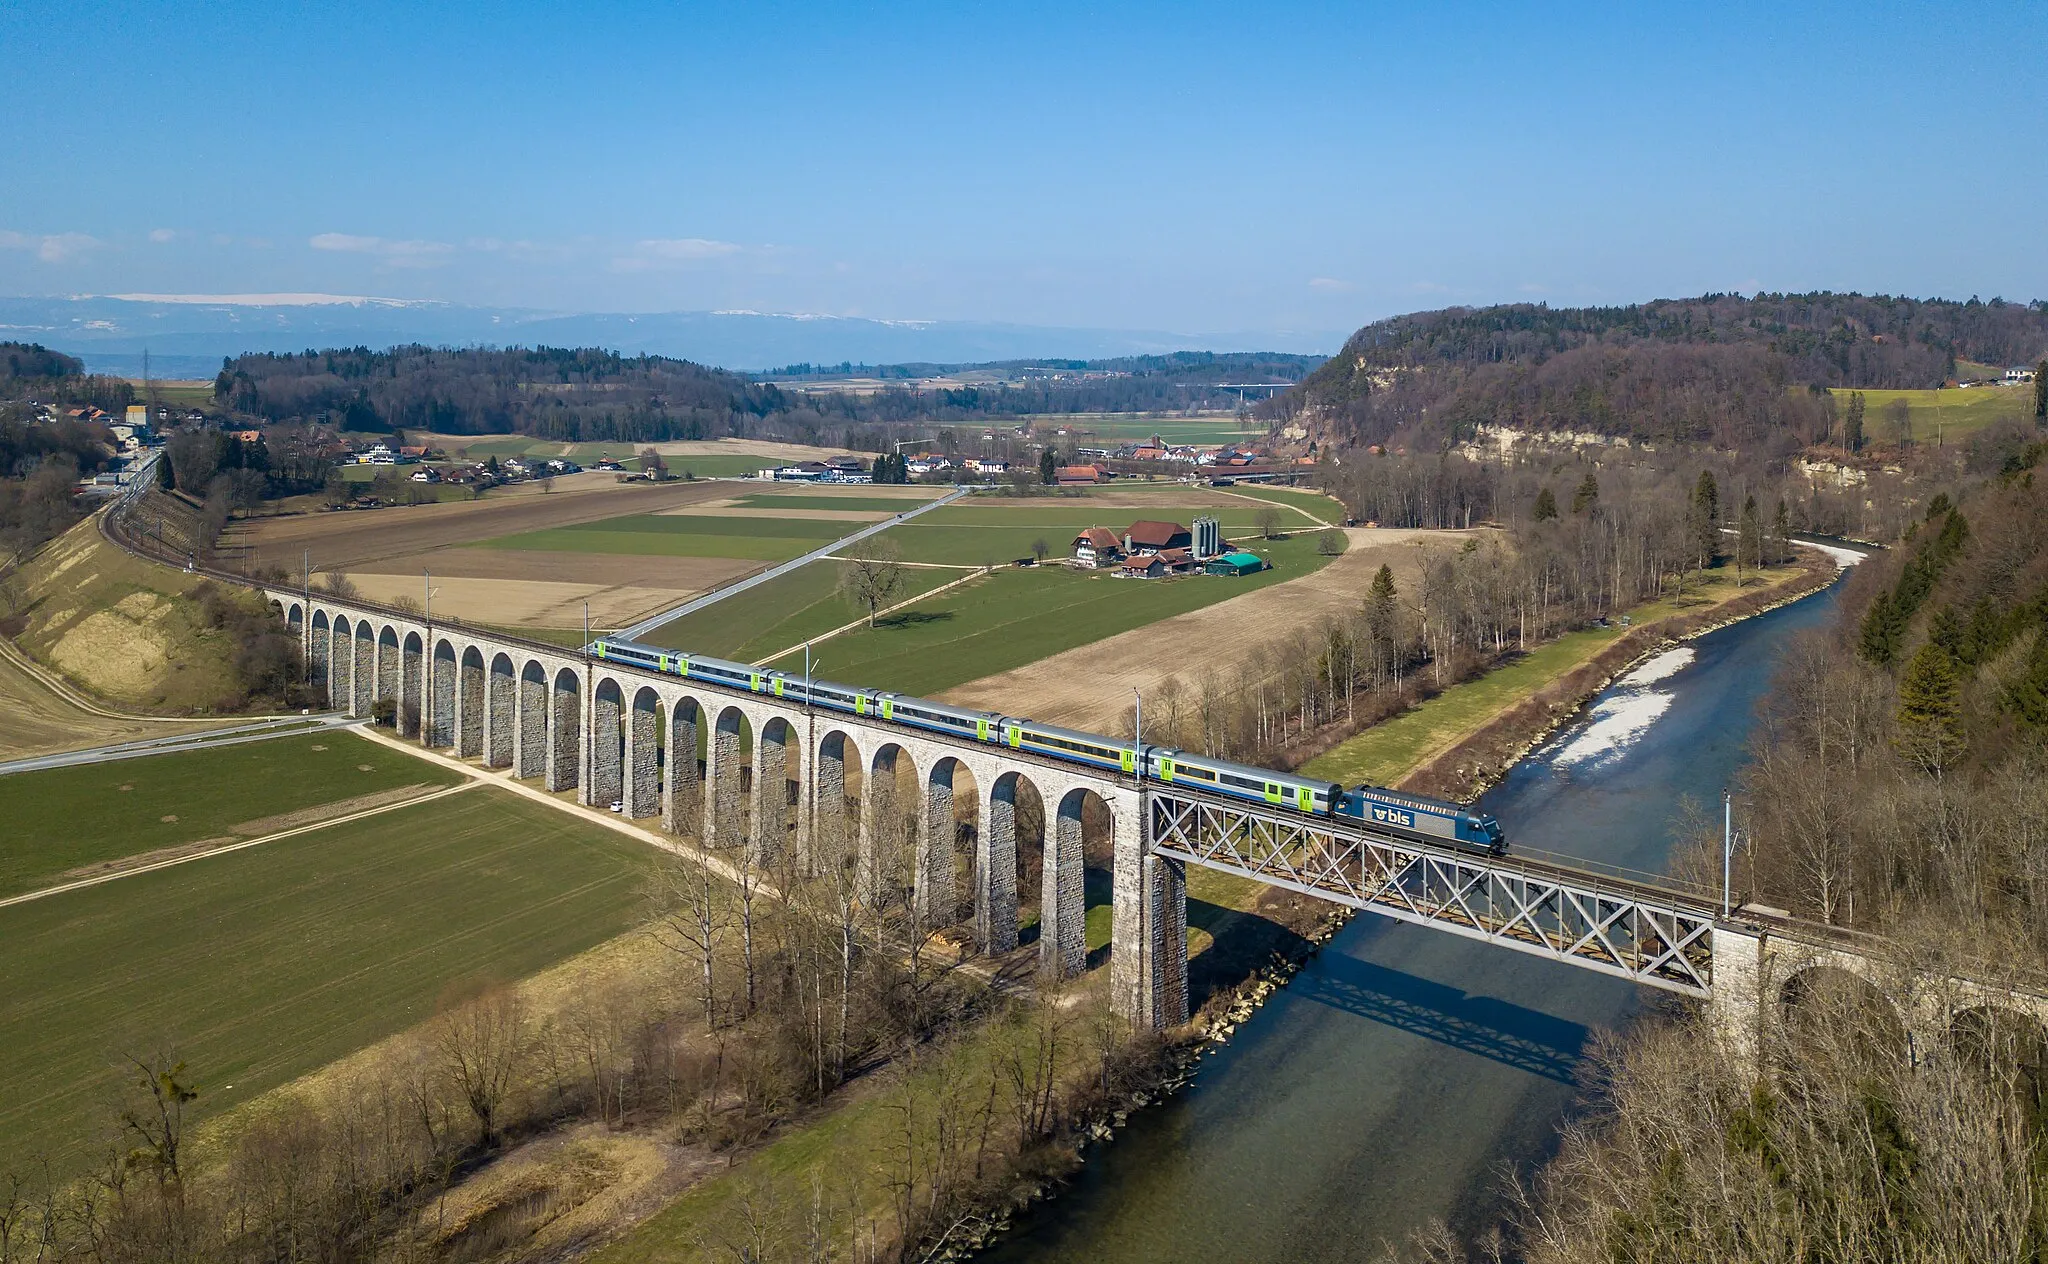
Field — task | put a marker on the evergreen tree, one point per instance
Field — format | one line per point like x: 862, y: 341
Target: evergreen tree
x: 1852, y: 429
x: 2027, y: 697
x: 1588, y: 495
x: 1749, y: 542
x: 1930, y: 709
x: 2041, y: 389
x: 1879, y: 640
x: 1781, y: 533
x: 1706, y: 515
x: 1546, y: 506
x: 1381, y: 615
x: 1048, y: 467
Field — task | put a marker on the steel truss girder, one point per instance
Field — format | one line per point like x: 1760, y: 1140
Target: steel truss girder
x: 1575, y: 918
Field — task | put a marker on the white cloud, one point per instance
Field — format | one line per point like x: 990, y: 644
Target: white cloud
x: 49, y: 247
x: 396, y: 254
x: 1330, y: 284
x: 162, y: 235
x: 665, y: 252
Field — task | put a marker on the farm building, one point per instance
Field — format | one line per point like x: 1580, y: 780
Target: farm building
x: 1146, y: 536
x: 1147, y: 567
x: 1235, y: 564
x: 1098, y: 546
x: 1079, y: 475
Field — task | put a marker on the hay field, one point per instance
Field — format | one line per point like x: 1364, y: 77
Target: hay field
x: 1944, y: 415
x: 990, y: 530
x: 261, y: 965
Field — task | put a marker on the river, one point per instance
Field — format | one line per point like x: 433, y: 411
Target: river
x: 1404, y: 1071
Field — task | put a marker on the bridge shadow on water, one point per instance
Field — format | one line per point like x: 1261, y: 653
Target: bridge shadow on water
x: 1526, y: 1039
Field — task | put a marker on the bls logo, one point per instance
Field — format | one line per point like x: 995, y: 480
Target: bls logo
x: 1392, y: 816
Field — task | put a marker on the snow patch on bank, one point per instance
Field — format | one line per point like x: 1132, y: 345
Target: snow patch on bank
x: 1628, y: 711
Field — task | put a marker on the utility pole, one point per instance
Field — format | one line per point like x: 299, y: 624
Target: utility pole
x: 1727, y: 847
x: 809, y: 767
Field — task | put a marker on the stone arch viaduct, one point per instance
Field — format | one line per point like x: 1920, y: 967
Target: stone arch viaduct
x: 735, y: 768
x: 792, y: 782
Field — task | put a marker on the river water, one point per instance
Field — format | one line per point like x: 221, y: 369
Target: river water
x: 1404, y: 1071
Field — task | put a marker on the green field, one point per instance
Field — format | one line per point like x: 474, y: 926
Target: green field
x: 1206, y: 430
x: 261, y: 965
x: 65, y: 818
x: 1941, y: 416
x: 1015, y: 617
x: 1312, y: 504
x: 684, y: 535
x: 866, y: 503
x: 773, y: 616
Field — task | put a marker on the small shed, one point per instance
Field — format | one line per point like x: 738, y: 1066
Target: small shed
x: 1235, y: 564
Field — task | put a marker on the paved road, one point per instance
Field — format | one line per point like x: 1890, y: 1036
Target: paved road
x: 283, y: 726
x: 695, y: 604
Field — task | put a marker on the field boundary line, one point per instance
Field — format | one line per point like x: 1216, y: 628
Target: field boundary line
x: 861, y: 622
x: 244, y: 845
x: 596, y: 816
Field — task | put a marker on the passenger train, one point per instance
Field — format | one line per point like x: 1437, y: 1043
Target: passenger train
x: 1388, y: 811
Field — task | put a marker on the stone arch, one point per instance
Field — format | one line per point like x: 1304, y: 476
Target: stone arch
x: 391, y: 679
x: 408, y: 694
x: 682, y: 789
x: 363, y: 673
x: 1828, y: 1004
x: 438, y: 718
x: 890, y: 814
x: 607, y: 743
x: 295, y: 616
x: 1010, y: 860
x: 778, y: 783
x: 277, y: 607
x: 1065, y: 894
x: 947, y: 858
x: 565, y: 729
x: 469, y: 703
x: 2006, y: 1046
x: 728, y: 777
x: 501, y: 698
x: 836, y: 783
x: 531, y: 708
x: 320, y: 654
x: 644, y: 753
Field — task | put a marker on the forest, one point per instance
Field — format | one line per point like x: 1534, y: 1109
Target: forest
x: 1720, y: 369
x: 594, y: 395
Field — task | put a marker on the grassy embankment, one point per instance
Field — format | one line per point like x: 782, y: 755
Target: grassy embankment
x: 121, y: 628
x: 1941, y: 416
x: 263, y: 964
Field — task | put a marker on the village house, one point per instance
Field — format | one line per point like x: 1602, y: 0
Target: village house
x: 1098, y: 546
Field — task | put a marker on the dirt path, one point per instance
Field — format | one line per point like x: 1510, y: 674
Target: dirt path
x: 1089, y: 687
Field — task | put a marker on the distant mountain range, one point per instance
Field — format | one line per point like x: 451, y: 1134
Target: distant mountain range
x: 188, y: 335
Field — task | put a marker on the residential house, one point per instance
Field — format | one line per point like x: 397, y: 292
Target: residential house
x: 2019, y: 373
x: 1098, y: 546
x: 1177, y: 561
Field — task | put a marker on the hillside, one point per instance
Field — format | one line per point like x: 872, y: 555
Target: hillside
x: 1719, y: 369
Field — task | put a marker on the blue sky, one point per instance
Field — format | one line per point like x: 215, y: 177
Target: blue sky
x: 1185, y: 166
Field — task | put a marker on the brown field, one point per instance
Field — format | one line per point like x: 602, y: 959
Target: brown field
x: 1089, y: 687
x: 525, y: 603
x: 362, y: 538
x: 764, y: 448
x: 726, y: 509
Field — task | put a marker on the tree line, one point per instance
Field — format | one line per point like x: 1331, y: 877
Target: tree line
x: 1721, y: 368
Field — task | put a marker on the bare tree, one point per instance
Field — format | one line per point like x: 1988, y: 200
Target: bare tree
x: 481, y: 1042
x: 157, y: 1121
x: 1269, y: 522
x: 692, y: 913
x: 873, y: 574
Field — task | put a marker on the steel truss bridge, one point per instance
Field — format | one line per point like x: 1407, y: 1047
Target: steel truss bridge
x: 1634, y: 931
